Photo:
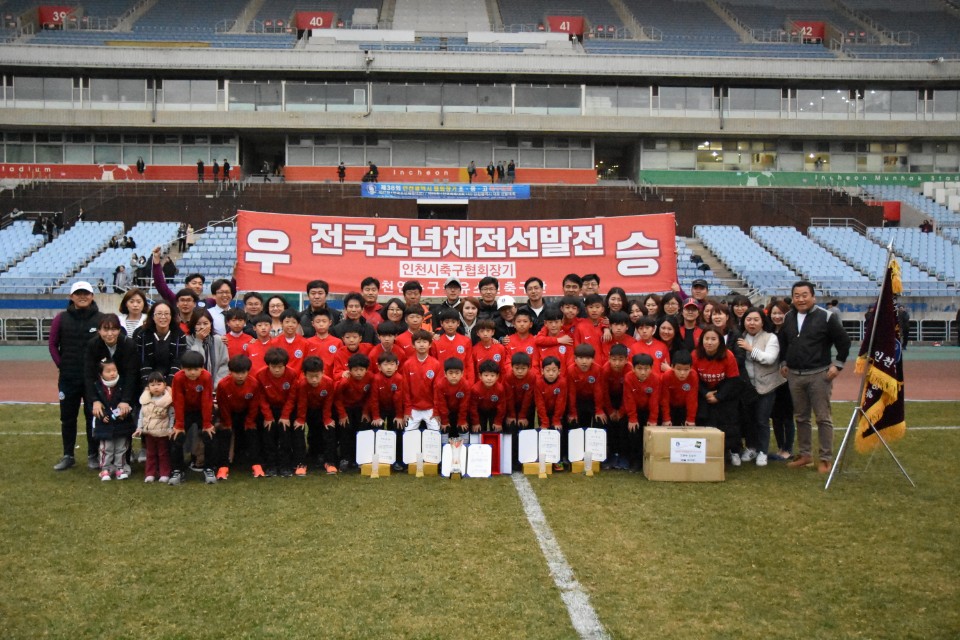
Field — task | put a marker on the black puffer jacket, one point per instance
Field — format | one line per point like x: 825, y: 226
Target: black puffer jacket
x: 71, y: 331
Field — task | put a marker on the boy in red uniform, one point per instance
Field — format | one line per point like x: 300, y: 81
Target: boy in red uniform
x: 678, y: 392
x: 236, y: 339
x: 521, y: 410
x: 487, y: 349
x: 641, y: 398
x: 386, y: 400
x: 451, y: 344
x: 614, y: 371
x: 324, y: 344
x: 550, y: 395
x: 523, y: 341
x: 296, y: 346
x: 315, y: 412
x: 422, y: 372
x: 590, y: 331
x: 238, y: 402
x: 647, y: 327
x: 387, y: 332
x: 352, y: 335
x: 585, y: 395
x: 552, y: 342
x: 192, y: 406
x: 488, y: 405
x: 619, y: 330
x: 256, y: 349
x: 352, y: 401
x: 452, y: 397
x: 278, y: 384
x: 413, y: 316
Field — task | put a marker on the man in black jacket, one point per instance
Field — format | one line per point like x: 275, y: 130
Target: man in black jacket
x: 69, y: 334
x: 809, y: 333
x: 317, y: 291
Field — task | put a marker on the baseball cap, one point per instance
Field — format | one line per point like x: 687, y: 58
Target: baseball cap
x: 506, y: 301
x: 690, y: 302
x: 81, y: 285
x: 700, y: 282
x: 452, y: 281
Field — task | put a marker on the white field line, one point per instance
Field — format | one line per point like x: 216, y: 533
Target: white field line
x: 581, y: 612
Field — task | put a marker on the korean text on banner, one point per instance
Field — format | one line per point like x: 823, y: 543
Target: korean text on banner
x: 277, y: 252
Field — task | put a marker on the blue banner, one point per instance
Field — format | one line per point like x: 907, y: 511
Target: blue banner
x: 443, y: 191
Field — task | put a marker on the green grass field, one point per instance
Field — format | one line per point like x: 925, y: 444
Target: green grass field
x: 765, y: 554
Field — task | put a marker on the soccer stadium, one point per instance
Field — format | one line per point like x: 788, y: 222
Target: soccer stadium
x: 251, y: 155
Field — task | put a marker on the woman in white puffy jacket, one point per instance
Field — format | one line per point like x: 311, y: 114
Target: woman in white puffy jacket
x: 762, y: 352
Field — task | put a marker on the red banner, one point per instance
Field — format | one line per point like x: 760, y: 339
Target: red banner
x: 278, y: 252
x: 566, y: 24
x: 314, y: 20
x: 56, y: 15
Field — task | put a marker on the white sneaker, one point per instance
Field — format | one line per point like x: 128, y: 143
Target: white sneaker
x: 748, y: 455
x: 761, y: 459
x: 149, y: 479
x: 164, y: 479
x: 105, y: 476
x: 735, y: 459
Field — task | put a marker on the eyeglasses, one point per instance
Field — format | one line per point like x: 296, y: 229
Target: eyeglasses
x: 162, y: 314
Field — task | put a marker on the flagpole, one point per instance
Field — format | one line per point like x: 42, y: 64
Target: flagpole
x: 838, y: 462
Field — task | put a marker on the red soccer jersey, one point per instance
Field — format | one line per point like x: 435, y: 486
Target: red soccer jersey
x: 236, y: 343
x: 655, y: 349
x: 257, y: 351
x: 377, y: 351
x: 233, y: 399
x: 547, y: 346
x: 551, y: 399
x: 388, y: 396
x: 192, y: 395
x: 404, y: 345
x: 297, y: 349
x: 584, y: 385
x: 527, y: 345
x: 493, y: 351
x: 642, y: 395
x: 353, y: 394
x: 277, y: 393
x: 459, y: 346
x: 520, y: 394
x: 586, y: 332
x: 626, y: 340
x: 325, y: 348
x: 677, y: 393
x: 613, y: 387
x: 343, y: 355
x: 422, y: 376
x: 311, y: 397
x: 449, y: 399
x: 711, y: 373
x: 484, y: 398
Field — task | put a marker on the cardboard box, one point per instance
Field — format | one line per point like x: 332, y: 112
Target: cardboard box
x: 384, y: 469
x: 688, y: 454
x: 533, y: 469
x: 429, y: 469
x: 579, y: 466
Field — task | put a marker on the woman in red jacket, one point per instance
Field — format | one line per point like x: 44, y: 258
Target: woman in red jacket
x: 719, y: 389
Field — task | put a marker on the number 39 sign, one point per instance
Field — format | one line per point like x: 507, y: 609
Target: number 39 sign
x: 57, y: 15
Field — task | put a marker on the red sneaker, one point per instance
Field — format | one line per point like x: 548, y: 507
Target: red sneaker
x: 223, y: 473
x: 258, y: 471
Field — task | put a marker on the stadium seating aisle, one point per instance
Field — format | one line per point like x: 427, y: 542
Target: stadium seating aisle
x: 688, y: 270
x: 17, y: 241
x: 534, y: 12
x: 747, y: 259
x: 60, y: 258
x: 690, y: 21
x: 146, y: 235
x: 774, y: 14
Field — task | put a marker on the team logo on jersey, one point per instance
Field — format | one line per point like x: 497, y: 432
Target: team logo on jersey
x: 494, y: 398
x: 686, y: 386
x: 591, y: 379
x: 393, y: 388
x: 525, y: 386
x: 366, y: 388
x: 323, y: 394
x: 245, y: 347
x: 648, y: 390
x: 199, y: 388
x: 460, y: 395
x: 298, y: 353
x: 460, y: 349
x: 556, y: 391
x: 285, y: 386
x: 496, y: 357
x: 332, y: 348
x: 562, y: 349
x: 659, y: 354
x: 529, y: 351
x: 430, y: 374
x: 62, y: 396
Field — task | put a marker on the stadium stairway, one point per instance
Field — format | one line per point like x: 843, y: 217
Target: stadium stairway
x: 720, y: 270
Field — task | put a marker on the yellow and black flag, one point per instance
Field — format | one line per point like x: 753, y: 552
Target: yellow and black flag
x: 882, y: 401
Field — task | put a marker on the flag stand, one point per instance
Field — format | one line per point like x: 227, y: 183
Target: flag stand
x: 858, y: 411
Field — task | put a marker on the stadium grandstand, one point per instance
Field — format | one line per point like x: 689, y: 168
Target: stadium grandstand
x: 792, y: 139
